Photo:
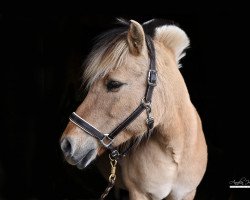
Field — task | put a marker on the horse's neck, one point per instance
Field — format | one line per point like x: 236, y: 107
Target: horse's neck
x: 178, y: 120
x: 178, y: 131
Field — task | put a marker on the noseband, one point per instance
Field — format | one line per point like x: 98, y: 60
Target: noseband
x: 107, y: 139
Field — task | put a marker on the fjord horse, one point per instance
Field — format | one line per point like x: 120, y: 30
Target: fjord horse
x: 168, y: 161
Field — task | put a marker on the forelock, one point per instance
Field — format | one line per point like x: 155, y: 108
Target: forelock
x: 109, y: 53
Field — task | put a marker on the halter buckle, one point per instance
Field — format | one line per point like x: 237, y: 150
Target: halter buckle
x: 150, y: 122
x: 152, y: 77
x: 106, y: 141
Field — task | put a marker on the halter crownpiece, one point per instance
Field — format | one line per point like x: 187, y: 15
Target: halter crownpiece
x: 107, y: 139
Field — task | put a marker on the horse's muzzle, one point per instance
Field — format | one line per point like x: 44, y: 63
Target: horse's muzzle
x: 78, y: 154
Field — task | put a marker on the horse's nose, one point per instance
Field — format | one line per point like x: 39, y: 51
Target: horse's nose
x: 66, y: 146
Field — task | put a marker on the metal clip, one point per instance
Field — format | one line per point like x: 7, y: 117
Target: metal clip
x: 112, y: 178
x: 113, y: 163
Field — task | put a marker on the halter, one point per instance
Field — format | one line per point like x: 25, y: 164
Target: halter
x: 107, y: 139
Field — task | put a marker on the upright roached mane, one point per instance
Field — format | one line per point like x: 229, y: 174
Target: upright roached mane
x: 172, y: 162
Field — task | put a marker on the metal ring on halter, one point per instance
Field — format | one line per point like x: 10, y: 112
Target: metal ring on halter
x: 106, y: 140
x: 146, y: 104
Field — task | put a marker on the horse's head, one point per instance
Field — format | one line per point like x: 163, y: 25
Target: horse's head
x: 117, y: 71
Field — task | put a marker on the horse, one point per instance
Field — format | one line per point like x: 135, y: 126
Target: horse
x: 137, y: 94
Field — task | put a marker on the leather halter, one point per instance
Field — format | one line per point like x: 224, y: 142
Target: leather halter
x: 107, y: 139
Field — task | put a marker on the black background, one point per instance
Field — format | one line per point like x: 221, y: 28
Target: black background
x: 41, y: 56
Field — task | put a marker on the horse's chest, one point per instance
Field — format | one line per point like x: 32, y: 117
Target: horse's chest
x: 151, y: 174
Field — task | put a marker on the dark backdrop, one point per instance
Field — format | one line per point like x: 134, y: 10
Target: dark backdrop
x: 40, y: 77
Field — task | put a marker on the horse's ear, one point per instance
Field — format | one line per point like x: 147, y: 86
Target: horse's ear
x: 173, y: 38
x: 135, y: 38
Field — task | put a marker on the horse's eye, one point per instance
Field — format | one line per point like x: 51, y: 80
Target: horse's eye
x: 113, y: 86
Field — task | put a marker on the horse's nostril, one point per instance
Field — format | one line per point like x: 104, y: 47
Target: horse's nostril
x: 66, y: 146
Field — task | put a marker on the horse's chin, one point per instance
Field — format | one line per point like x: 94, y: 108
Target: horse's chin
x: 84, y: 160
